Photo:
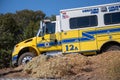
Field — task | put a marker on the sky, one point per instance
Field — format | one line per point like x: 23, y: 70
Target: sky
x: 49, y: 7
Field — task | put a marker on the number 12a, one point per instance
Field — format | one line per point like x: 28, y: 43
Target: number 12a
x: 69, y: 47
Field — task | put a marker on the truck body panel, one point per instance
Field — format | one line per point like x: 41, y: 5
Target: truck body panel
x: 91, y: 26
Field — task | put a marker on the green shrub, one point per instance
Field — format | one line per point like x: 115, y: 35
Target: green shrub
x: 5, y: 58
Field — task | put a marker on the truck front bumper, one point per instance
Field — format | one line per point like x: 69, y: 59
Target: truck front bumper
x: 14, y: 60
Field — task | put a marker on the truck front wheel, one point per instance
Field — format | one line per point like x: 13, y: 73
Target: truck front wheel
x: 25, y: 58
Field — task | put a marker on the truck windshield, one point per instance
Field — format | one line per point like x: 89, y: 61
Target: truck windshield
x: 50, y: 28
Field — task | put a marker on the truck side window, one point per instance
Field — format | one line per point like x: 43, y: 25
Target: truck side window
x: 112, y: 18
x: 82, y: 22
x: 50, y: 28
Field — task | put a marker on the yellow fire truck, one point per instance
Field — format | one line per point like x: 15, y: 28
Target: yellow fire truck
x: 85, y: 30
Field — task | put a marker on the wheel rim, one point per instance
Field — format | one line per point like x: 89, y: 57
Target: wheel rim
x: 26, y: 59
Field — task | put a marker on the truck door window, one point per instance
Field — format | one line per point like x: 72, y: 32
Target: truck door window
x: 50, y: 28
x: 82, y: 22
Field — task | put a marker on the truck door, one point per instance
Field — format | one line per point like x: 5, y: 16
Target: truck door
x: 49, y: 42
x: 70, y: 41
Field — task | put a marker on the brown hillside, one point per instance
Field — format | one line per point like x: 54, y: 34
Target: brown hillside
x: 105, y: 66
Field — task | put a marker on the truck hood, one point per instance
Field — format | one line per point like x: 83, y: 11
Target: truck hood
x: 26, y: 41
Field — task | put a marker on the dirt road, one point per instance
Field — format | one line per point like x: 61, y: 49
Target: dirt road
x: 105, y: 66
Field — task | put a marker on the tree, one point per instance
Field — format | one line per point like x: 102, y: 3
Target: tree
x: 8, y: 38
x: 31, y: 29
x: 53, y: 18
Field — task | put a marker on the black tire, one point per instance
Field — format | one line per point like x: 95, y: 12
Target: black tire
x: 25, y: 58
x: 112, y: 48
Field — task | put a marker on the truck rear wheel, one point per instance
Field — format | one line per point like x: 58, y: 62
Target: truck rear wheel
x: 111, y: 48
x: 25, y: 58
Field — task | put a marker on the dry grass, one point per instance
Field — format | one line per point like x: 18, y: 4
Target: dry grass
x: 105, y: 66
